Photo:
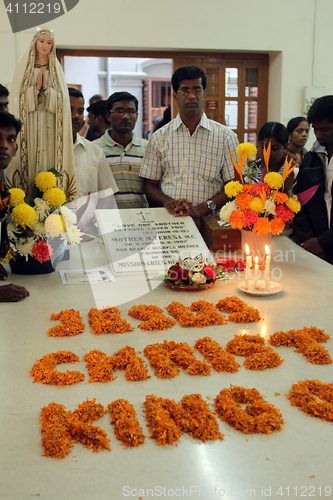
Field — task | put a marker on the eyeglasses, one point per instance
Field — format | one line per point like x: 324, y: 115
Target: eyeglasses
x: 188, y: 92
x: 123, y: 112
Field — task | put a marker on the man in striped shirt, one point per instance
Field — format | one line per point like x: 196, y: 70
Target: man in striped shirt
x: 188, y: 161
x: 124, y: 150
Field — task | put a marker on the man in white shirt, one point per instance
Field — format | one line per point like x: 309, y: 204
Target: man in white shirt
x: 314, y: 224
x: 92, y: 172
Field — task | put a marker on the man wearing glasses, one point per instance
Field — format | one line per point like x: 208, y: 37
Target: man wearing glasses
x: 188, y: 161
x: 124, y: 150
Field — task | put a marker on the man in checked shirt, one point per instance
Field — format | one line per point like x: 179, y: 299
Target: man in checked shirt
x: 187, y: 162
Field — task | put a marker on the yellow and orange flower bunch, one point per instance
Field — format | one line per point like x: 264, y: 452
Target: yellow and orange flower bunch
x: 39, y: 218
x: 263, y: 207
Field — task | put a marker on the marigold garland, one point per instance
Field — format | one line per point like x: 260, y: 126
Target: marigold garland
x: 127, y: 428
x: 43, y: 369
x: 198, y: 420
x: 305, y: 394
x: 162, y: 415
x: 63, y: 428
x: 107, y: 320
x: 220, y: 360
x: 72, y: 324
x: 99, y: 365
x: 307, y: 341
x: 258, y: 417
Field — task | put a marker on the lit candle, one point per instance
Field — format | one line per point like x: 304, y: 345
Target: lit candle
x: 267, y: 265
x: 256, y: 272
x: 248, y: 267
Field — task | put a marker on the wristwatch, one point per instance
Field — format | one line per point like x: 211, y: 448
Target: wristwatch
x: 211, y: 205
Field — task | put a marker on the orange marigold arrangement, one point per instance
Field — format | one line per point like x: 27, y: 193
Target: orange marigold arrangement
x: 198, y: 420
x: 61, y: 428
x: 43, y: 369
x: 313, y: 397
x: 127, y: 428
x: 258, y: 356
x: 220, y: 360
x: 72, y: 324
x: 127, y: 359
x: 163, y: 416
x: 258, y: 416
x: 168, y: 357
x: 206, y: 315
x: 107, y: 320
x: 307, y: 341
x: 99, y: 366
x: 240, y: 311
x: 152, y: 317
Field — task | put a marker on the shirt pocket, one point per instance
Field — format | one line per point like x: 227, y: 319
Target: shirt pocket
x: 209, y: 166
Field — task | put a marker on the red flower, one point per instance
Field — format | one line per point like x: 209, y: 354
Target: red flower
x: 240, y: 265
x: 176, y: 273
x: 228, y: 265
x: 42, y: 251
x: 209, y: 272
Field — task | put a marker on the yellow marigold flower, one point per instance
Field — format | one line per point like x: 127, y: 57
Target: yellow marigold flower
x: 274, y: 180
x: 24, y: 215
x: 257, y: 205
x: 262, y: 226
x: 233, y: 188
x: 294, y: 205
x: 45, y: 181
x: 54, y: 225
x: 55, y: 197
x: 17, y: 197
x: 247, y: 149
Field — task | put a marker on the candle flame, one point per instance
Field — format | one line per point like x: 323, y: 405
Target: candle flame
x: 247, y: 250
x: 267, y: 250
x: 256, y: 260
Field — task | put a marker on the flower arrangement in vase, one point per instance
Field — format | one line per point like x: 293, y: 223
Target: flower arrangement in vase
x: 262, y: 208
x: 40, y: 220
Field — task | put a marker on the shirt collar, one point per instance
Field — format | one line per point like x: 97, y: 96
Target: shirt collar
x: 204, y: 122
x: 135, y: 140
x: 80, y: 140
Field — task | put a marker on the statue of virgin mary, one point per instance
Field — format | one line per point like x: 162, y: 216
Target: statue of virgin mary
x: 39, y: 98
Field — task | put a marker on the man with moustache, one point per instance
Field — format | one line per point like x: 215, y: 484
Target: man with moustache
x: 188, y: 162
x: 124, y: 149
x: 314, y: 223
x: 9, y: 128
x: 92, y: 173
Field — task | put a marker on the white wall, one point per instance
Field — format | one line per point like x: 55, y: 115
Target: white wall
x: 296, y: 33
